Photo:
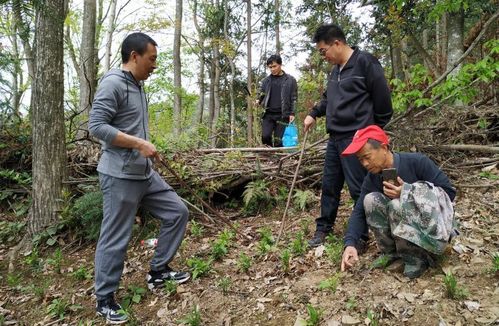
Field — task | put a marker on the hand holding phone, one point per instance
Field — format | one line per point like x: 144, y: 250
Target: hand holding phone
x: 390, y: 176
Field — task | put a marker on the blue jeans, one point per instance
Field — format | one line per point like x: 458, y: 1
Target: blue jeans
x: 337, y: 170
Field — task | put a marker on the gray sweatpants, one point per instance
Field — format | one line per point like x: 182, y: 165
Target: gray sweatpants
x: 122, y: 197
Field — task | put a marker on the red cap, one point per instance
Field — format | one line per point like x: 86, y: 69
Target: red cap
x: 362, y: 135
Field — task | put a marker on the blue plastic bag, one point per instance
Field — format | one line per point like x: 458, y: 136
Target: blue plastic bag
x: 290, y: 137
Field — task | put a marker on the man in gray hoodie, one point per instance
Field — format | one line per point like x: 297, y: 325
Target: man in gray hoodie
x: 119, y: 119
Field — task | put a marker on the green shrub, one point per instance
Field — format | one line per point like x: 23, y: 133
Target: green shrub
x: 87, y: 213
x: 198, y: 266
x: 285, y: 260
x: 266, y: 240
x: 244, y: 263
x: 193, y: 318
x: 454, y: 291
x: 299, y: 246
x: 303, y: 198
x: 256, y: 196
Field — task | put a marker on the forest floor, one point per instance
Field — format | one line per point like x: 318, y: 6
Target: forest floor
x: 58, y: 291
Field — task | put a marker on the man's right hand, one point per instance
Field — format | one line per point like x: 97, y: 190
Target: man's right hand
x: 350, y: 257
x: 147, y: 149
x: 308, y: 123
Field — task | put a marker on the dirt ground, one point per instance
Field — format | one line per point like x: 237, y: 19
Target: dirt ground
x: 265, y: 294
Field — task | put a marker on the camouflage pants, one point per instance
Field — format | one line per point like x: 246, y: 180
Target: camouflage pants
x: 384, y: 215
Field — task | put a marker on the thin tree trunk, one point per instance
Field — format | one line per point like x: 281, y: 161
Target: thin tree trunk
x: 88, y: 73
x: 249, y: 72
x: 216, y: 92
x: 277, y: 27
x: 444, y: 41
x: 230, y: 81
x: 49, y: 150
x: 428, y: 61
x: 24, y: 32
x: 211, y: 103
x: 396, y: 54
x: 177, y: 70
x: 455, y: 47
x: 109, y: 35
x: 198, y: 117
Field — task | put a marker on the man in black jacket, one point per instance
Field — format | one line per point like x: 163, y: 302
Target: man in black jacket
x: 357, y: 95
x: 278, y: 94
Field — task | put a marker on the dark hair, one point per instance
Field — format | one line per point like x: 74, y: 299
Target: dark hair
x: 328, y: 34
x: 375, y: 144
x: 135, y: 42
x: 274, y: 58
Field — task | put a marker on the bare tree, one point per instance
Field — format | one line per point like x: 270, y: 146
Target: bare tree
x: 198, y: 117
x: 88, y: 73
x: 177, y: 70
x: 49, y: 150
x: 249, y: 71
x: 109, y: 34
x: 278, y: 47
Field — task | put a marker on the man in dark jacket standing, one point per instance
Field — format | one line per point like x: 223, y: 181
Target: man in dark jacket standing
x: 357, y: 95
x: 278, y: 94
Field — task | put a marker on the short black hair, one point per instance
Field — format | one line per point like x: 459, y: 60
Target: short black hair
x: 135, y: 42
x: 375, y: 144
x: 274, y: 58
x: 329, y: 33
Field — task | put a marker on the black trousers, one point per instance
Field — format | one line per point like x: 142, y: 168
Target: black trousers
x: 273, y: 124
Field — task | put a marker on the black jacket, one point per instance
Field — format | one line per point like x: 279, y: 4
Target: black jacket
x: 356, y: 97
x: 411, y: 167
x: 289, y: 94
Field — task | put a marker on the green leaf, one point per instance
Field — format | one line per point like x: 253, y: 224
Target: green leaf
x: 136, y: 298
x: 51, y: 241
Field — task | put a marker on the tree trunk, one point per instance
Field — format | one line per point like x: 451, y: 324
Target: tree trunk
x: 211, y: 103
x: 109, y: 35
x: 444, y: 39
x: 230, y: 80
x: 249, y: 72
x: 277, y: 27
x: 88, y: 73
x: 455, y: 47
x: 396, y: 55
x: 198, y: 117
x: 216, y: 92
x: 177, y: 70
x: 24, y: 31
x: 49, y: 150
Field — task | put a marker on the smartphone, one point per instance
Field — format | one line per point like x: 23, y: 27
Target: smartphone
x: 390, y: 175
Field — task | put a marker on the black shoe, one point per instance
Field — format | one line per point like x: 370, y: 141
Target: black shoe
x: 157, y: 279
x: 318, y: 239
x: 109, y: 309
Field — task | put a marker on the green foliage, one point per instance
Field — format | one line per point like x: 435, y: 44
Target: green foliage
x: 333, y: 249
x: 224, y: 284
x: 303, y: 198
x: 170, y: 288
x: 56, y: 260
x: 14, y: 280
x: 489, y: 175
x: 34, y: 261
x: 221, y: 245
x: 373, y: 318
x: 285, y: 260
x: 58, y: 308
x: 193, y: 318
x: 197, y: 229
x: 244, y: 262
x: 256, y: 196
x: 314, y: 315
x: 453, y: 290
x: 299, y: 246
x: 330, y: 283
x: 198, y: 267
x: 81, y: 274
x: 411, y: 92
x: 351, y: 303
x: 304, y: 226
x: 87, y: 215
x: 10, y: 231
x: 134, y: 294
x: 495, y: 263
x: 381, y: 262
x: 20, y: 178
x: 266, y: 240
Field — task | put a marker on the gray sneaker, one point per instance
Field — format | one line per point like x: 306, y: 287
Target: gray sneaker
x: 112, y: 311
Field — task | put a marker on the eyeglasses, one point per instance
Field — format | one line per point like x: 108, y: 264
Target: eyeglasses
x: 323, y: 51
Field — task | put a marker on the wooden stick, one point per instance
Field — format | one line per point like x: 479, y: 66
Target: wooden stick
x: 464, y: 147
x: 205, y: 204
x: 290, y: 194
x: 247, y: 149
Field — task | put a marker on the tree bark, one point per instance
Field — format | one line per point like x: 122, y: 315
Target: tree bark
x: 198, y: 117
x: 230, y: 80
x: 109, y: 35
x: 49, y: 151
x: 396, y: 54
x: 249, y: 72
x: 278, y: 48
x: 88, y: 73
x: 24, y: 32
x: 455, y: 47
x: 177, y: 69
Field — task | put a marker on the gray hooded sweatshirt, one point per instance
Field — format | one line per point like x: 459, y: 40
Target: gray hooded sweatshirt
x: 120, y: 105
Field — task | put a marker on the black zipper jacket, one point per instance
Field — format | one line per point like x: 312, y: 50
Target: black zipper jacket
x: 356, y: 96
x: 289, y: 94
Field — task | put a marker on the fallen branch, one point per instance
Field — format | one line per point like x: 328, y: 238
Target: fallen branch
x: 464, y: 147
